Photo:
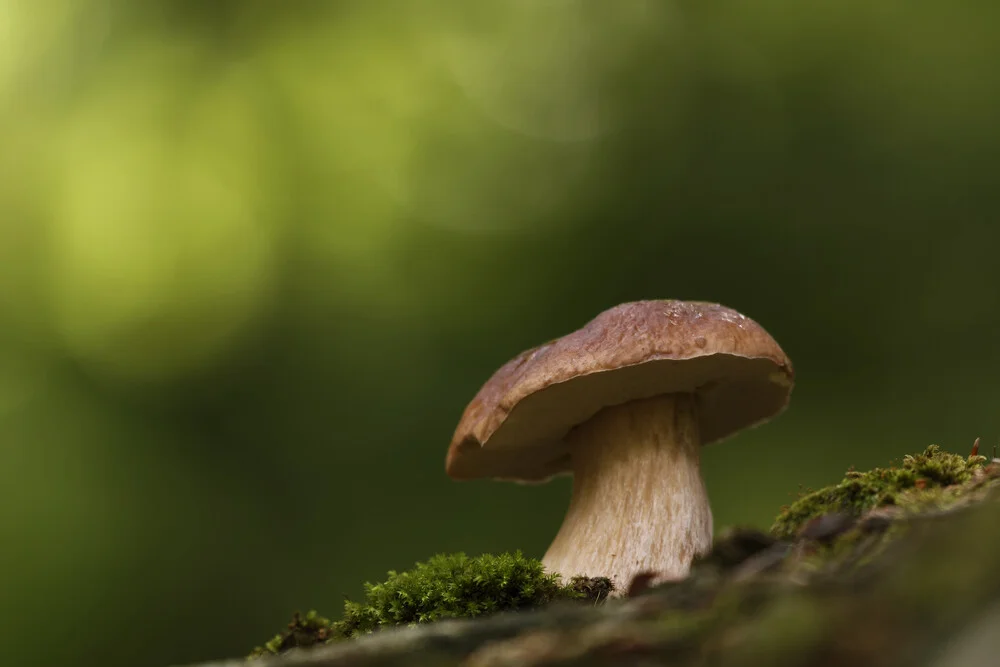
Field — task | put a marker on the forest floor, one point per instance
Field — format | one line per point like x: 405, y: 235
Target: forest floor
x: 893, y: 566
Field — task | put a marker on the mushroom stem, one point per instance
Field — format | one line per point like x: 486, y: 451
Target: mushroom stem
x: 639, y: 503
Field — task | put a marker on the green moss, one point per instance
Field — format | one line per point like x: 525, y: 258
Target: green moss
x: 446, y: 586
x: 453, y: 586
x: 933, y: 477
x: 302, y: 631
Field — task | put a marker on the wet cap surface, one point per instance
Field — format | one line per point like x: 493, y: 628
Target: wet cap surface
x: 514, y: 427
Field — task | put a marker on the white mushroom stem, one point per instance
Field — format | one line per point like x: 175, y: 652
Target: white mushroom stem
x: 639, y: 503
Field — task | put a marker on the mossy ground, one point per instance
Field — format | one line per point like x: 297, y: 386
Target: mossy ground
x: 932, y: 478
x: 932, y: 591
x: 446, y: 586
x: 837, y: 529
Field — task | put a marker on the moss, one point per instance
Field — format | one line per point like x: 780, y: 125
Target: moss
x: 591, y: 589
x: 933, y: 477
x: 302, y: 631
x: 446, y: 586
x: 454, y: 586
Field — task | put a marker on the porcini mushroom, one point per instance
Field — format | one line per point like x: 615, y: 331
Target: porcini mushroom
x: 624, y: 404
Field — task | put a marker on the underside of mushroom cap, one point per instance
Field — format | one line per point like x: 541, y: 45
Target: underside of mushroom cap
x: 515, y: 426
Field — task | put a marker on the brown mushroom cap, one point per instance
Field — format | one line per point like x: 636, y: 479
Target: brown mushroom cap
x: 514, y: 427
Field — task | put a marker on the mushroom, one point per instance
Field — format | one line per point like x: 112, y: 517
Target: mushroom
x: 624, y: 404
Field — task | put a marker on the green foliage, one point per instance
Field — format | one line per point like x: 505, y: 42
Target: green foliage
x: 931, y: 477
x: 446, y: 586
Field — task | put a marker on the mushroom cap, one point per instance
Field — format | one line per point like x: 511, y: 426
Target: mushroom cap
x: 515, y: 427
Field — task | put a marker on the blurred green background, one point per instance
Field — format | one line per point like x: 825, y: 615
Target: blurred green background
x: 256, y: 257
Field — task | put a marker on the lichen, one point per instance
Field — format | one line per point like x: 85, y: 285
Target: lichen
x: 445, y: 586
x: 932, y: 478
